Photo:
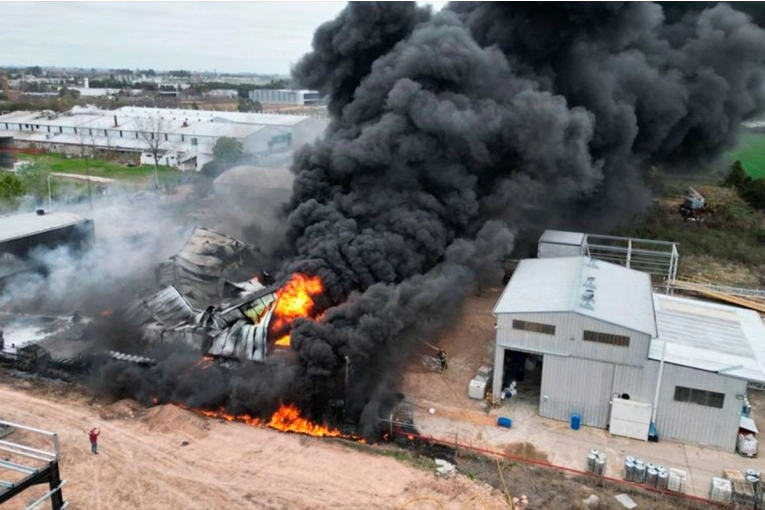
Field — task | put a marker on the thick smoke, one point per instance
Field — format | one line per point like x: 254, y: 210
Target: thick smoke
x: 486, y: 120
x: 134, y: 233
x: 455, y: 133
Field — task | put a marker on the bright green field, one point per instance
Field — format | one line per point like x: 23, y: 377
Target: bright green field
x: 100, y: 168
x: 751, y: 152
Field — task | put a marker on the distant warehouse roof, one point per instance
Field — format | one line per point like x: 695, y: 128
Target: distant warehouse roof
x: 710, y: 336
x: 18, y: 226
x: 621, y: 296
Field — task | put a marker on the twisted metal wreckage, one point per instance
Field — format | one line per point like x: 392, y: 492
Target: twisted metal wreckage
x: 200, y: 306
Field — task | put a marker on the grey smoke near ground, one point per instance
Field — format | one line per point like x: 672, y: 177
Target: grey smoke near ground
x: 455, y: 133
x: 133, y: 236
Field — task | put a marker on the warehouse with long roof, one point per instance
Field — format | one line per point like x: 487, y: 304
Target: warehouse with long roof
x: 189, y: 135
x: 612, y: 354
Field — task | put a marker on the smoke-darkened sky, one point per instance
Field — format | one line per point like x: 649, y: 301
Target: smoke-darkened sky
x: 259, y: 37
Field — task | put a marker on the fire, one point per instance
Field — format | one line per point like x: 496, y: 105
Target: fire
x: 286, y: 419
x: 294, y: 300
x: 107, y: 312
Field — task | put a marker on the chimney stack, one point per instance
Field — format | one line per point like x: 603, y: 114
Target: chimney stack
x: 115, y: 122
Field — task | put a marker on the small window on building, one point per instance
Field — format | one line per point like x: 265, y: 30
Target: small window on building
x: 700, y: 397
x: 535, y: 327
x: 606, y: 338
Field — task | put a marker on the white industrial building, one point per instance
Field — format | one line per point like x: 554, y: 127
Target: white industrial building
x: 189, y: 135
x: 620, y: 357
x: 286, y: 96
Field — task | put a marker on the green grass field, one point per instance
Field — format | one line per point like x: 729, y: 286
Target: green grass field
x: 101, y: 168
x: 751, y: 152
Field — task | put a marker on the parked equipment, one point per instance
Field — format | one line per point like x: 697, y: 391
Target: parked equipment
x: 694, y: 207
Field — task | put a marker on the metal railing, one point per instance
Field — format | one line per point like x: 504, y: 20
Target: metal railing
x: 705, y: 288
x: 754, y: 294
x: 35, y: 465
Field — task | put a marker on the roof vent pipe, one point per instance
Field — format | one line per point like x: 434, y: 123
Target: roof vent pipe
x: 40, y: 212
x: 588, y: 295
x: 590, y: 283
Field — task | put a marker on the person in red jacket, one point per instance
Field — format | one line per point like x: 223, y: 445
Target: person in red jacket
x: 93, y: 434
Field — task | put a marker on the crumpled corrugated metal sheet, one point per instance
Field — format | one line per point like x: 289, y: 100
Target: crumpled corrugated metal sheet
x: 199, y: 267
x: 167, y: 307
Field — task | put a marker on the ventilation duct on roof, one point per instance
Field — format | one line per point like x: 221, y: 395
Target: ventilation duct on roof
x: 593, y: 264
x: 590, y: 283
x: 588, y: 299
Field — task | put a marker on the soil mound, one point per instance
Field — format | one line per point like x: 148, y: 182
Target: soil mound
x: 172, y: 419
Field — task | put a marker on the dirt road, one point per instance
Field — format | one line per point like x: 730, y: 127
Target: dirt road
x: 168, y: 458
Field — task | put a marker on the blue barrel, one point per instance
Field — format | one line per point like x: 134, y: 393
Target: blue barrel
x: 576, y: 421
x: 504, y: 422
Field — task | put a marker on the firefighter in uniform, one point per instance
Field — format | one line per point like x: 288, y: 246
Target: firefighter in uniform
x: 442, y: 359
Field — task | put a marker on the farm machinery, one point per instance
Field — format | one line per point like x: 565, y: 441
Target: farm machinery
x: 694, y: 207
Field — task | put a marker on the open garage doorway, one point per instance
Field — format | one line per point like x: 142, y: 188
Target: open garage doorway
x: 521, y: 377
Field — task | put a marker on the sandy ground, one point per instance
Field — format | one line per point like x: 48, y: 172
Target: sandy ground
x: 459, y: 419
x: 168, y: 458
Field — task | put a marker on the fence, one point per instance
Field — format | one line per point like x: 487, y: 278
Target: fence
x: 599, y: 480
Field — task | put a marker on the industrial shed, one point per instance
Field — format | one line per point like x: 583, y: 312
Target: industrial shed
x: 21, y: 234
x: 598, y: 332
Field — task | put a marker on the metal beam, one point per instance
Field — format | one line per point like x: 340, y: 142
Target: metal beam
x: 18, y: 467
x: 47, y: 495
x: 50, y: 455
x: 42, y: 476
x: 24, y: 454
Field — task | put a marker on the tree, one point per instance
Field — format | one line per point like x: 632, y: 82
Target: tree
x: 737, y: 178
x: 70, y: 93
x: 227, y: 150
x: 754, y: 193
x: 153, y: 131
x: 34, y: 178
x: 11, y: 190
x: 248, y: 105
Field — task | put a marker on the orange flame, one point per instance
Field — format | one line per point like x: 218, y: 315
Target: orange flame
x: 294, y: 300
x: 286, y: 419
x: 106, y: 313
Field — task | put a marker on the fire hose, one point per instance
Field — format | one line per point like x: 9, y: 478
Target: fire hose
x: 428, y: 344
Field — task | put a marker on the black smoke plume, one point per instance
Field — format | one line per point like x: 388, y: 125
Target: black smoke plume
x: 452, y: 133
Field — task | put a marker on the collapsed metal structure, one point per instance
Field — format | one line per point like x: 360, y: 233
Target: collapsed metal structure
x: 201, y: 305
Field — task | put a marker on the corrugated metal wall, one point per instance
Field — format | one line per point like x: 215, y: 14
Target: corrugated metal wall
x: 636, y: 382
x: 686, y: 421
x: 569, y: 330
x: 576, y: 386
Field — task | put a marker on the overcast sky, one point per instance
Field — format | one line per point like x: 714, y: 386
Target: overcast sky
x: 258, y: 37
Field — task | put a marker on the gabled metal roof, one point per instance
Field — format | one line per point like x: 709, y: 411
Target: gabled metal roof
x: 710, y: 336
x: 621, y: 296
